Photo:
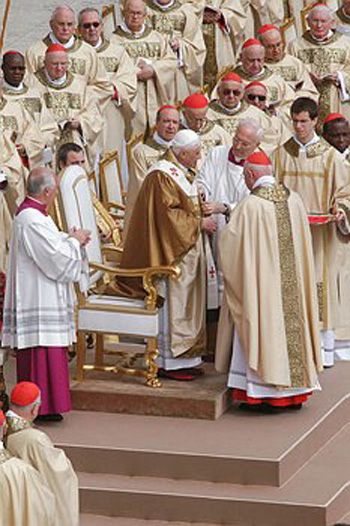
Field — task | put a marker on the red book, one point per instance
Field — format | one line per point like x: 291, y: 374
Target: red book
x: 320, y: 219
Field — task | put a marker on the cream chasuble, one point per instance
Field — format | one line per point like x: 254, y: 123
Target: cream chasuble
x: 5, y: 231
x: 167, y: 211
x: 342, y: 21
x: 16, y: 173
x: 269, y: 279
x: 25, y: 499
x: 31, y: 101
x: 321, y: 178
x: 143, y: 156
x: 72, y: 99
x: 229, y: 119
x: 180, y: 20
x: 321, y: 58
x: 34, y: 447
x: 121, y: 72
x: 211, y: 135
x: 82, y: 62
x: 19, y: 127
x: 223, y: 38
x: 295, y: 73
x: 153, y: 48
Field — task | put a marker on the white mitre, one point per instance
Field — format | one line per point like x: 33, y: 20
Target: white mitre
x: 185, y: 139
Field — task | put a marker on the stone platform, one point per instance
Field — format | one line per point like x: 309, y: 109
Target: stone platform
x: 243, y: 469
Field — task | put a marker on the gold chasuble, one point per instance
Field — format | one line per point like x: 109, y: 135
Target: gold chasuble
x: 153, y: 48
x: 321, y: 58
x: 165, y: 229
x: 321, y: 178
x: 270, y: 288
x: 180, y: 20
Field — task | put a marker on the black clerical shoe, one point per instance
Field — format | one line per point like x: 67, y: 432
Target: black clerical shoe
x: 180, y: 375
x: 55, y: 417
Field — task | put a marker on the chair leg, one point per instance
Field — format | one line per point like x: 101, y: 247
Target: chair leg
x: 4, y: 399
x: 81, y: 351
x: 99, y: 350
x: 150, y: 358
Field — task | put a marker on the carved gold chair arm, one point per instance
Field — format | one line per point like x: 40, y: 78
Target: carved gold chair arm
x: 148, y: 275
x: 114, y: 204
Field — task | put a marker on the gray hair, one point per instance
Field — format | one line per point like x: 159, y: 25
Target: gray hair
x: 39, y: 179
x: 253, y: 125
x: 259, y: 169
x: 124, y: 5
x: 321, y: 8
x: 88, y: 10
x: 62, y: 7
x: 24, y: 408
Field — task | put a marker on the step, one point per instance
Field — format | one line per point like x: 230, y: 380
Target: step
x: 318, y: 495
x: 238, y: 448
x: 102, y: 520
x: 344, y: 521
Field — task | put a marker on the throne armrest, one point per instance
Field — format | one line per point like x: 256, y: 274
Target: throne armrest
x: 114, y: 204
x: 148, y: 275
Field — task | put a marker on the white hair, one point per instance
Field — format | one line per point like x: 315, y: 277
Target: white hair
x: 25, y: 408
x: 62, y: 7
x: 320, y: 8
x: 39, y: 179
x: 253, y: 125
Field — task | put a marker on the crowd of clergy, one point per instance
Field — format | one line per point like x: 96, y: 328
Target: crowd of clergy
x: 234, y: 151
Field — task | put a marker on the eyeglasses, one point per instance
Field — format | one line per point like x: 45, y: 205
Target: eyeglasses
x: 235, y: 92
x: 251, y: 96
x: 91, y: 24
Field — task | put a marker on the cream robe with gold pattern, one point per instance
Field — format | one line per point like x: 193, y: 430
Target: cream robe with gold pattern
x: 295, y: 73
x: 31, y: 101
x: 229, y: 120
x: 181, y: 20
x: 16, y: 173
x: 25, y: 500
x: 211, y: 135
x: 329, y: 56
x: 321, y: 179
x: 152, y: 47
x: 267, y: 260
x: 121, y: 72
x: 34, y: 447
x: 73, y: 99
x: 82, y: 62
x: 342, y: 21
x: 143, y: 156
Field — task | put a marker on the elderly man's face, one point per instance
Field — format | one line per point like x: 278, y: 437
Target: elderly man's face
x: 195, y: 118
x: 230, y: 93
x: 134, y: 15
x: 320, y: 24
x: 56, y: 64
x: 256, y: 96
x: 14, y: 69
x: 244, y: 142
x: 168, y: 124
x: 273, y: 45
x: 189, y: 157
x: 63, y: 25
x: 338, y: 135
x: 90, y: 27
x: 253, y: 59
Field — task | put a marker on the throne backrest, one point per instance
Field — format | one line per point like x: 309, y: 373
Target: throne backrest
x: 78, y: 211
x: 111, y: 181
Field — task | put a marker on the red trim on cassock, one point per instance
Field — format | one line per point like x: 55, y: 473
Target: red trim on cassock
x: 239, y: 395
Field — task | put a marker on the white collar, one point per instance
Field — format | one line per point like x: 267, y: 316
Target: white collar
x: 232, y: 110
x: 164, y: 7
x: 304, y: 147
x: 329, y: 35
x: 99, y: 44
x: 11, y: 413
x: 58, y: 82
x: 2, y: 447
x: 14, y: 88
x: 135, y: 33
x: 161, y: 141
x: 264, y: 180
x: 67, y: 45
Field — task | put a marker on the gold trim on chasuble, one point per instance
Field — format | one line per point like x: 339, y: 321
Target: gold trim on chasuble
x: 292, y: 315
x: 16, y: 424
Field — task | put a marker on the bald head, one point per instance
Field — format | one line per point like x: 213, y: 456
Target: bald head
x: 56, y: 64
x: 134, y: 12
x: 63, y: 23
x: 247, y: 138
x: 41, y: 184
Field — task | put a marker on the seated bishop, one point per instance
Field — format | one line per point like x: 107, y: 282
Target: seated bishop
x: 71, y: 102
x: 229, y: 108
x: 155, y: 61
x: 148, y: 151
x: 82, y: 57
x: 32, y: 445
x: 121, y: 73
x: 268, y: 337
x: 178, y: 21
x: 13, y: 67
x: 194, y: 116
x: 25, y: 499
